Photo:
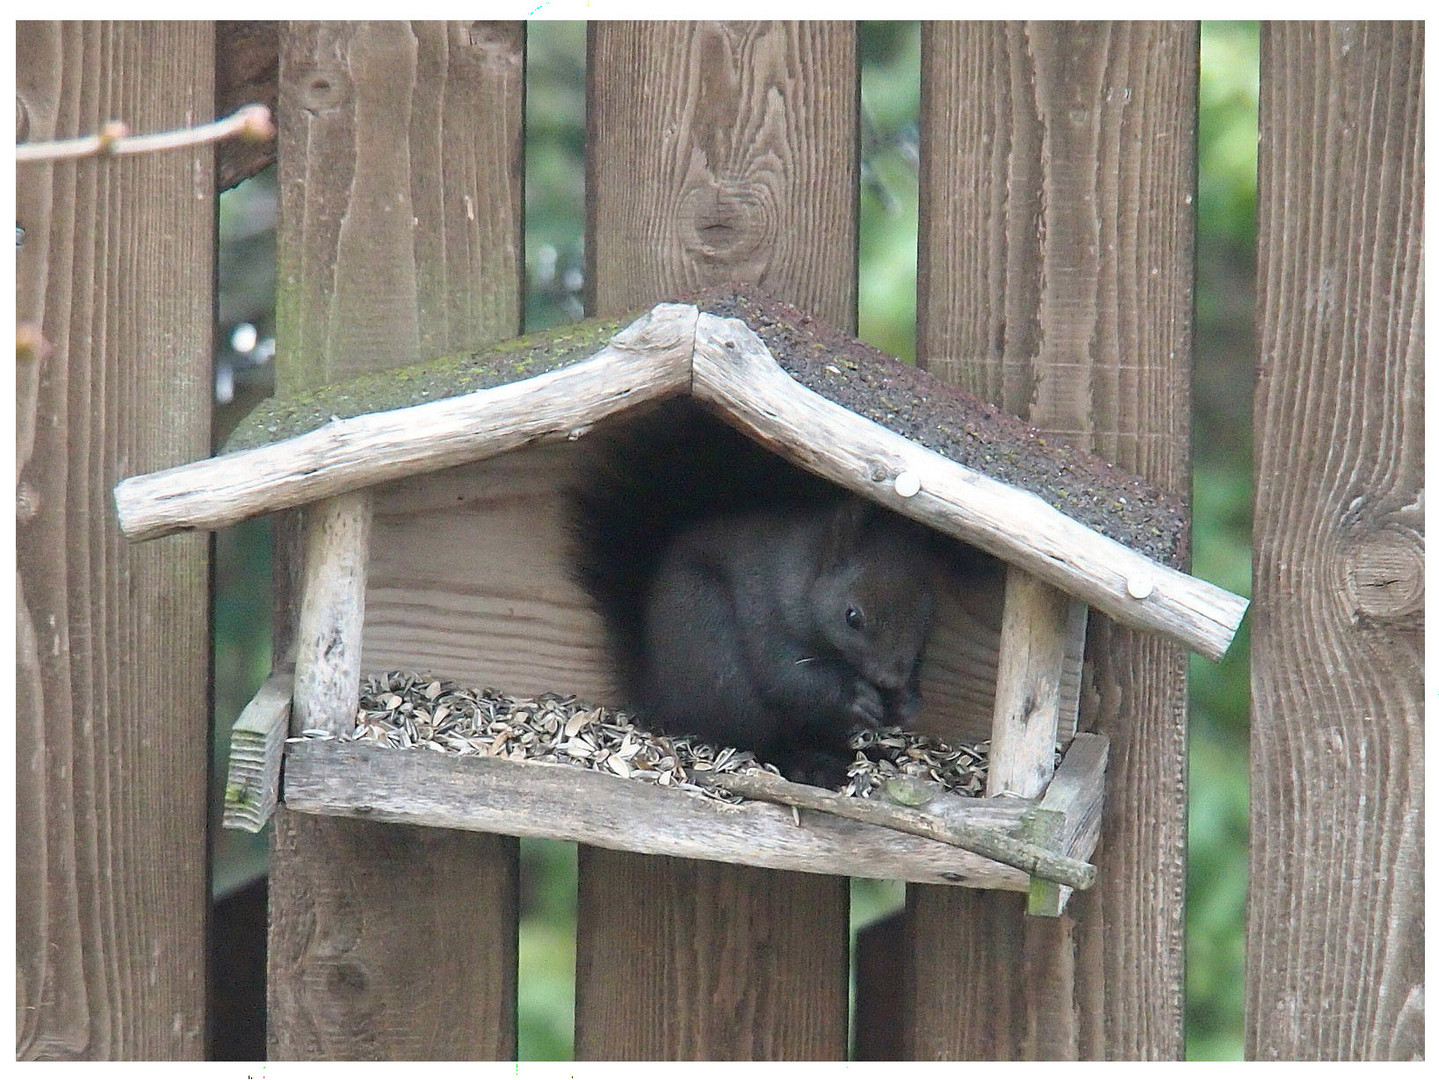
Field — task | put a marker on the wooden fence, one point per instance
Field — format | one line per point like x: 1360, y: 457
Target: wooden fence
x: 1056, y: 278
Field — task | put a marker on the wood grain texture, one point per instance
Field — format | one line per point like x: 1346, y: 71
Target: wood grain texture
x: 332, y: 614
x: 257, y: 747
x: 1072, y: 793
x: 1055, y: 279
x: 398, y: 241
x: 563, y: 802
x: 717, y: 151
x: 112, y: 664
x: 1027, y: 681
x: 723, y: 152
x: 401, y: 145
x: 516, y: 620
x: 351, y: 976
x: 1335, y: 960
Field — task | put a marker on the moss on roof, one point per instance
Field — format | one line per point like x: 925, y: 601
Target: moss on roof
x: 830, y: 362
x: 958, y: 425
x: 504, y: 362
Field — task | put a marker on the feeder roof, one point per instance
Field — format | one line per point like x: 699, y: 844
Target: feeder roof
x: 818, y: 396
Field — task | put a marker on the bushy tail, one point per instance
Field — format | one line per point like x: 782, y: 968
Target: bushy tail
x: 649, y: 480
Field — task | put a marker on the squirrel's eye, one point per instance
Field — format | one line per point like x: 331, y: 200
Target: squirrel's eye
x: 854, y: 618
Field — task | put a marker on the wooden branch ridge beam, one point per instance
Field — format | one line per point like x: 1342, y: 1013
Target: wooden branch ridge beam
x: 672, y: 349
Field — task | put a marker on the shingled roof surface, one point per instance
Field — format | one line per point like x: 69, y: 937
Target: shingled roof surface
x: 958, y: 425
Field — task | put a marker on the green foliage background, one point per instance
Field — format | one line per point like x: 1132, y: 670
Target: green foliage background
x: 1218, y: 820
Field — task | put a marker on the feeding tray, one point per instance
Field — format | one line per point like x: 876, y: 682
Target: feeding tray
x: 433, y: 502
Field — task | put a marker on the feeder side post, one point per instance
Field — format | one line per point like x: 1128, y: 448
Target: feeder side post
x: 1032, y: 644
x: 332, y: 613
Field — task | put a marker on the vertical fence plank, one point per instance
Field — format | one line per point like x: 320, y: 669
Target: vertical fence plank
x: 112, y: 732
x: 1336, y: 906
x: 400, y: 152
x: 717, y: 151
x: 1055, y: 279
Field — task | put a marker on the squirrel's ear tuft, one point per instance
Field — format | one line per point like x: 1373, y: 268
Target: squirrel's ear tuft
x: 850, y: 521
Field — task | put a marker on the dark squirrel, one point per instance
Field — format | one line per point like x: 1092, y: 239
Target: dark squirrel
x: 746, y: 602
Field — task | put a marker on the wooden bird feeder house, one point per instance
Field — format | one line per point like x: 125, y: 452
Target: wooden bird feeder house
x: 434, y: 542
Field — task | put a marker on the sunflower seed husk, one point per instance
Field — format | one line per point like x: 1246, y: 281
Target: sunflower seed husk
x: 407, y: 709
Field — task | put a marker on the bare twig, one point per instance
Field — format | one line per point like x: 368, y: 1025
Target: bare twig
x: 989, y: 842
x: 251, y: 122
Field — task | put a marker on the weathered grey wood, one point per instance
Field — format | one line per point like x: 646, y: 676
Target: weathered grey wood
x: 717, y: 151
x: 462, y: 791
x: 1072, y: 675
x: 1055, y: 279
x: 1042, y: 828
x: 1026, y: 705
x: 111, y: 732
x: 332, y: 614
x: 516, y: 620
x: 734, y: 370
x: 405, y: 152
x: 1077, y: 792
x: 1037, y: 860
x: 257, y: 746
x: 399, y: 241
x: 649, y: 359
x: 347, y: 973
x: 1335, y: 950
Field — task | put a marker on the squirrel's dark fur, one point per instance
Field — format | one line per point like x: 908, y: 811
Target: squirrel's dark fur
x: 747, y: 602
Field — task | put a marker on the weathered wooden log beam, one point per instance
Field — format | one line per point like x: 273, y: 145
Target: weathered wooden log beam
x: 525, y: 798
x: 673, y: 349
x: 990, y: 842
x: 736, y: 373
x: 648, y: 359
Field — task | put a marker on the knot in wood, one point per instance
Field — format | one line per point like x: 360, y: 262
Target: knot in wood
x: 723, y: 221
x: 1383, y: 574
x: 346, y: 980
x: 323, y: 88
x: 498, y: 46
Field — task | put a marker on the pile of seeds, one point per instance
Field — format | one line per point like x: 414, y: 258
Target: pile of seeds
x: 405, y: 709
